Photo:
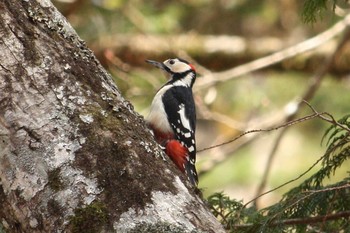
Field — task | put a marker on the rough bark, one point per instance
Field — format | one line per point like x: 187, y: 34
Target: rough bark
x: 74, y: 156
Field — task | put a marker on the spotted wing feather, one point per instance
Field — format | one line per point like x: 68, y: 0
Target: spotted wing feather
x: 181, y: 112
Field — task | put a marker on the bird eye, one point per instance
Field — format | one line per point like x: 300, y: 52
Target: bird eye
x: 171, y: 62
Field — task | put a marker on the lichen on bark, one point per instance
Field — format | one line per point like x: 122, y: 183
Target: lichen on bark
x: 72, y: 150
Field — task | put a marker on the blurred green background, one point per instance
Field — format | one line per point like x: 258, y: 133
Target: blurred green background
x: 217, y: 35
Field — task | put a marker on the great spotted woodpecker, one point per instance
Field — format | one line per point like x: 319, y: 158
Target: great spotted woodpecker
x: 172, y: 116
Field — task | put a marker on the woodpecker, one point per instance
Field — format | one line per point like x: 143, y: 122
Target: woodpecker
x: 172, y: 115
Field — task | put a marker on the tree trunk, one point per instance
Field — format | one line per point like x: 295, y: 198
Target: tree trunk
x: 74, y: 156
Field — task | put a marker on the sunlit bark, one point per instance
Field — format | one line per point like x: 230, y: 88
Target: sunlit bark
x: 74, y: 156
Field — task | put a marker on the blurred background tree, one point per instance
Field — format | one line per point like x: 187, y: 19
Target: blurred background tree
x: 218, y: 36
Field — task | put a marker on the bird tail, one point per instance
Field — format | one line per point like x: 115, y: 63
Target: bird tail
x: 191, y: 172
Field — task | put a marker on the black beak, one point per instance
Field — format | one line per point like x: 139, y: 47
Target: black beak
x: 159, y: 65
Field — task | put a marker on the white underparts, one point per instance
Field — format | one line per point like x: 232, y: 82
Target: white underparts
x: 157, y: 115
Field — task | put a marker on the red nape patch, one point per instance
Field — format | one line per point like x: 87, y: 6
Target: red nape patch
x: 192, y: 67
x: 177, y: 152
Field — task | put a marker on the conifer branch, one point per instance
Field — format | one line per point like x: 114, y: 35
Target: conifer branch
x: 301, y: 221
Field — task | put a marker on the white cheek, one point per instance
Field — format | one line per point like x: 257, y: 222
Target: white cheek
x: 179, y: 67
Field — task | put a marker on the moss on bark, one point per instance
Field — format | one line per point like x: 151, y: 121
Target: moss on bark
x: 89, y: 219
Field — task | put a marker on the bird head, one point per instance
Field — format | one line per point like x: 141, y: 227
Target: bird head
x: 177, y: 69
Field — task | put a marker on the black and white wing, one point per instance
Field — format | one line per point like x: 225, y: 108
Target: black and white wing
x: 180, y: 108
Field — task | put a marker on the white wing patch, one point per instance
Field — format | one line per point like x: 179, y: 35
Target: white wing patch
x: 191, y: 149
x: 184, y: 120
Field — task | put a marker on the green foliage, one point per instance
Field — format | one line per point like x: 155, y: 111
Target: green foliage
x: 224, y: 209
x: 315, y: 8
x: 313, y: 206
x: 2, y: 230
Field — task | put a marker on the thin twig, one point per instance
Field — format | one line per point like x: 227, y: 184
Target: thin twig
x: 330, y: 119
x: 213, y: 78
x: 308, y: 95
x: 329, y: 189
x: 316, y: 114
x: 308, y: 195
x: 285, y: 183
x: 320, y: 115
x: 269, y: 163
x: 290, y: 123
x: 302, y: 221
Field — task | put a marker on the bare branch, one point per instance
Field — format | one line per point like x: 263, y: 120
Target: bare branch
x: 269, y: 163
x: 293, y: 107
x: 302, y: 221
x: 316, y: 219
x: 290, y: 123
x: 308, y: 95
x: 330, y: 118
x: 246, y: 138
x: 329, y: 189
x: 211, y: 79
